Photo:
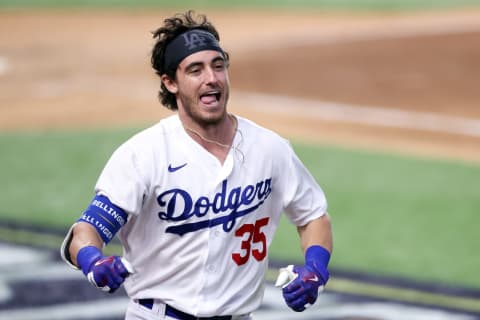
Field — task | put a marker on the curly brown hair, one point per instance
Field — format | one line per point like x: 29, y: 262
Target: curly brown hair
x: 173, y: 27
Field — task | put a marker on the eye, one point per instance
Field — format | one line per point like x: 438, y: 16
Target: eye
x: 194, y: 70
x: 219, y: 66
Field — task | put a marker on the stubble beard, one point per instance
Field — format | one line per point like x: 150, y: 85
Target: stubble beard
x: 192, y: 110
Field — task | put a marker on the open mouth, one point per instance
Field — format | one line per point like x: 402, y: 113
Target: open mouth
x: 210, y: 97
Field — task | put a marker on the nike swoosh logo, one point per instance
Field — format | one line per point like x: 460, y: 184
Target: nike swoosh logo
x: 173, y: 169
x: 314, y: 279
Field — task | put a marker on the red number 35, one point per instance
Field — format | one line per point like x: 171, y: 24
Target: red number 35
x: 253, y: 235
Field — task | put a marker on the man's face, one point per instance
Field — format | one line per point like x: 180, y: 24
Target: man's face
x: 202, y: 87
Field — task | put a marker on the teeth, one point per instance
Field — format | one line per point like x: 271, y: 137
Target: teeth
x: 211, y: 93
x: 210, y: 96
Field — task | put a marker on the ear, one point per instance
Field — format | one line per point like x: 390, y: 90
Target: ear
x: 170, y: 84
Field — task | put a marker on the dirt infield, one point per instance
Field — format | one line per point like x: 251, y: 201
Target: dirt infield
x: 81, y: 69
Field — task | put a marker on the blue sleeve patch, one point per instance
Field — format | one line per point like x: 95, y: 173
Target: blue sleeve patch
x: 106, y: 217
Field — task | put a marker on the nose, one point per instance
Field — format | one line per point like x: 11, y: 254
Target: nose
x: 210, y: 76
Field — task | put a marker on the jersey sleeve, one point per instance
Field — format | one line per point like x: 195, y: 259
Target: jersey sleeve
x: 304, y: 200
x: 122, y: 180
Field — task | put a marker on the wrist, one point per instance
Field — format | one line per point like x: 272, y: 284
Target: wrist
x: 318, y: 258
x: 87, y: 256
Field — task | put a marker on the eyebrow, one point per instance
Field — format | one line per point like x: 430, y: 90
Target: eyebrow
x: 198, y: 63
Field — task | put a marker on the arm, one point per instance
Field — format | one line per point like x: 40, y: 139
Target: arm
x: 84, y: 235
x: 302, y: 284
x: 317, y: 232
x: 82, y: 247
x: 85, y: 253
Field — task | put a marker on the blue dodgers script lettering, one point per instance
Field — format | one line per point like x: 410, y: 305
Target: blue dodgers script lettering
x: 178, y: 205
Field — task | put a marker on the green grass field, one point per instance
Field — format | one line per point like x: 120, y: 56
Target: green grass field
x: 392, y: 215
x: 400, y: 215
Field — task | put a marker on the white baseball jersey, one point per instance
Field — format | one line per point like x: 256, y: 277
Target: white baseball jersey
x: 198, y: 231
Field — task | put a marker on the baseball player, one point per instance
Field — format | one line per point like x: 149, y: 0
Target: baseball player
x: 196, y: 199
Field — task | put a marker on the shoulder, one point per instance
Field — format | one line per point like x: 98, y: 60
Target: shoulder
x: 260, y: 134
x: 148, y: 141
x: 165, y: 126
x: 156, y: 132
x: 253, y: 127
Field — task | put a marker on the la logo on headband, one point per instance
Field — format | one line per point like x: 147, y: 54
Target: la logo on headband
x: 188, y: 43
x: 194, y: 39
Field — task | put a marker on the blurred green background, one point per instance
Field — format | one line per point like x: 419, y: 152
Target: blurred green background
x: 392, y: 215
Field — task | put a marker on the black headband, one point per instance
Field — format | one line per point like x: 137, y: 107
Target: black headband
x: 188, y: 43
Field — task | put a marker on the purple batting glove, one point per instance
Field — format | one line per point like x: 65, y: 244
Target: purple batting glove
x: 303, y: 290
x: 105, y: 273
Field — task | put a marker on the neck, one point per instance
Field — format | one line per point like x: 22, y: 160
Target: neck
x: 217, y: 139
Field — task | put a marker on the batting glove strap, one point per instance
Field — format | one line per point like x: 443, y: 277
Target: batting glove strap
x: 87, y: 256
x: 317, y: 258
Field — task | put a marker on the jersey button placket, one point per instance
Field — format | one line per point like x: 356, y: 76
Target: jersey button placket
x: 212, y: 249
x: 209, y: 268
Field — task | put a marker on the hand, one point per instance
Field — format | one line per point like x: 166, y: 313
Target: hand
x: 301, y: 285
x: 105, y: 273
x: 109, y: 273
x: 302, y: 291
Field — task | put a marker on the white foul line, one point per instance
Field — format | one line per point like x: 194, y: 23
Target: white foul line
x: 357, y: 114
x: 394, y: 28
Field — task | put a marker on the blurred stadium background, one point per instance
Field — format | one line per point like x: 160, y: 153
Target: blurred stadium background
x: 380, y: 99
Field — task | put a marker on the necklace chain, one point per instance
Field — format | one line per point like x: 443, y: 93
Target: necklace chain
x: 227, y: 146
